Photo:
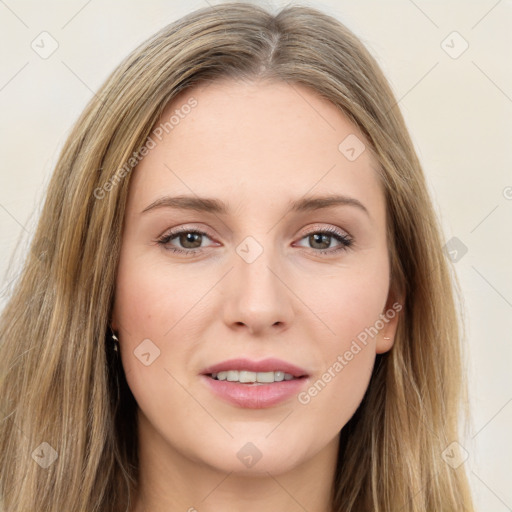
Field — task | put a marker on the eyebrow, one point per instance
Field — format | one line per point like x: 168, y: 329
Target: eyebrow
x: 211, y: 205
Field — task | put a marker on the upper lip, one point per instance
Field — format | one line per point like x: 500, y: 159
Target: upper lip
x: 265, y: 365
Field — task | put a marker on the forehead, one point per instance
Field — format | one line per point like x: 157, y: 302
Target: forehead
x: 258, y: 141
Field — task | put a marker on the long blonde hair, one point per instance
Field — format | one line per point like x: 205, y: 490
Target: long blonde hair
x: 61, y: 385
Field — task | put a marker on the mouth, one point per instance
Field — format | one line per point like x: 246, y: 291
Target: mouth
x: 255, y: 384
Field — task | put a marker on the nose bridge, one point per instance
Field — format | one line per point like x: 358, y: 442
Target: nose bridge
x: 254, y: 268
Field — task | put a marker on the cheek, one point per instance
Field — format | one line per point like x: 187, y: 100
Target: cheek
x: 157, y: 310
x: 148, y: 302
x: 350, y: 305
x: 350, y: 301
x: 151, y: 312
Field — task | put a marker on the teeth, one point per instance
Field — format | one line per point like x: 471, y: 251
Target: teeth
x: 245, y: 376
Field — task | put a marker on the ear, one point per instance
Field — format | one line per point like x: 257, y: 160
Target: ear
x: 389, y: 317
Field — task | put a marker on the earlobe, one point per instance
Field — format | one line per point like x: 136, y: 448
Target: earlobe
x: 389, y: 318
x: 384, y: 344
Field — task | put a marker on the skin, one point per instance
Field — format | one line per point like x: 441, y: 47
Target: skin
x: 255, y: 146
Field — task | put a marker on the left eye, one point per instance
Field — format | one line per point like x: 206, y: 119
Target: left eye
x: 324, y: 239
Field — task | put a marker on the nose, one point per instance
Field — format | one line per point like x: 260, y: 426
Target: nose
x: 258, y: 298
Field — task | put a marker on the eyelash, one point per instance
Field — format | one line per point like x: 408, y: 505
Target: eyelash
x: 345, y: 241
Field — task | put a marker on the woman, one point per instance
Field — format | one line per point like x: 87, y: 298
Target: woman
x: 237, y: 297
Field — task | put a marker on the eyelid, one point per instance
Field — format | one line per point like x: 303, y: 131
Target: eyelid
x: 187, y: 228
x: 330, y: 229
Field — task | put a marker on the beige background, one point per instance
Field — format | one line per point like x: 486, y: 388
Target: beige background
x: 459, y: 112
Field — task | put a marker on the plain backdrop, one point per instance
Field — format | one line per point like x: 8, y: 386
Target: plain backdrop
x: 449, y: 66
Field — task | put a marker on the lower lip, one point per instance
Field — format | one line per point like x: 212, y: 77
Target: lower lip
x: 255, y: 396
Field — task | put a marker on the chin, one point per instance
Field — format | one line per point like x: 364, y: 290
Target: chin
x: 275, y: 464
x: 259, y: 455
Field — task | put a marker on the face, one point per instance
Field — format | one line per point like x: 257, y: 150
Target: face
x: 262, y: 271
